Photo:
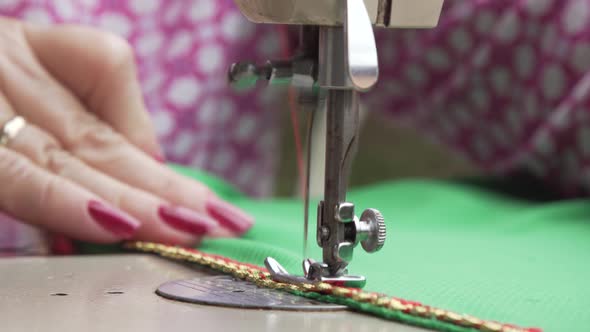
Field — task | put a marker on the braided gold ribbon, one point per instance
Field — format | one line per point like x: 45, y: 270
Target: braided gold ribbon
x: 373, y: 303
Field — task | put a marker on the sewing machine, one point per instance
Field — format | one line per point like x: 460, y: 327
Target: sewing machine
x: 337, y: 60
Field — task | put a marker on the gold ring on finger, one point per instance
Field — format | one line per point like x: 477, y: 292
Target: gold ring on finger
x: 11, y: 129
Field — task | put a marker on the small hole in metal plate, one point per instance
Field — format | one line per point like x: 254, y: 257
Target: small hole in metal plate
x: 59, y: 294
x: 115, y: 292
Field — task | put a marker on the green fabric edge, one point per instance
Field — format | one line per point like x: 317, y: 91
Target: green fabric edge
x: 227, y: 191
x: 398, y: 316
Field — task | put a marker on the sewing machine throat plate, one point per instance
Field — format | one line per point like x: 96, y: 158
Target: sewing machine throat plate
x: 230, y: 292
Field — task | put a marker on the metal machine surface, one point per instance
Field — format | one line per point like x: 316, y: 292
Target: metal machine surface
x: 337, y: 60
x: 116, y: 294
x: 383, y: 13
x: 227, y: 291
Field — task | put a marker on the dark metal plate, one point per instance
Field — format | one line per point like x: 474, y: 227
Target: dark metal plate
x: 229, y: 292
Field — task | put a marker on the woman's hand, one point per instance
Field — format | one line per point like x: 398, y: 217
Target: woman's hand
x: 86, y: 164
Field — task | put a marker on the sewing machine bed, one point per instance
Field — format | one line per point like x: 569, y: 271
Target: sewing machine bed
x: 450, y: 245
x: 116, y: 294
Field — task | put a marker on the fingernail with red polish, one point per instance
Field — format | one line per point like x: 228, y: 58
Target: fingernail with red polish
x: 229, y: 216
x: 113, y: 220
x: 187, y: 220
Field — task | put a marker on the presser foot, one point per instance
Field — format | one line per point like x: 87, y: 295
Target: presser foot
x: 314, y: 273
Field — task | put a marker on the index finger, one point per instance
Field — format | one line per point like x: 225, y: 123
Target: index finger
x: 102, y: 74
x: 129, y: 165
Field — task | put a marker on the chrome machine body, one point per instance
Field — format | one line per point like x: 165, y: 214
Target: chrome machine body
x: 337, y: 60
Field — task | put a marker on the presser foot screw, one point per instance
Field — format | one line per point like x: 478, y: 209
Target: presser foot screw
x: 373, y: 228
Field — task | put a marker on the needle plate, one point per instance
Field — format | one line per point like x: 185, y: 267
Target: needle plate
x: 230, y: 292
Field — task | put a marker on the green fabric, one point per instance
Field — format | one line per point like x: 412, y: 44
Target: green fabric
x: 452, y: 246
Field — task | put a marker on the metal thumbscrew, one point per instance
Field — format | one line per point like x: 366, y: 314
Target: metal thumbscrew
x: 372, y: 230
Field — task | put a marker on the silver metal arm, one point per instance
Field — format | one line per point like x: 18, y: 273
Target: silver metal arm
x: 347, y: 64
x: 338, y: 61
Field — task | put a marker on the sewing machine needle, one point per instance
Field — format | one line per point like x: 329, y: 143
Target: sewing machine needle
x: 310, y: 123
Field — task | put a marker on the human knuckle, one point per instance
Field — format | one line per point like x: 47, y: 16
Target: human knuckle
x: 116, y: 53
x: 14, y: 167
x: 57, y: 160
x: 49, y: 189
x: 86, y: 130
x: 15, y: 172
x: 167, y: 185
x: 102, y: 136
x: 16, y: 55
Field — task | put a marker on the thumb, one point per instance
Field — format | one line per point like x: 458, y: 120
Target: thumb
x: 99, y: 68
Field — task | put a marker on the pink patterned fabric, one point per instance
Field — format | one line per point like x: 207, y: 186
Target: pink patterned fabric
x: 504, y: 82
x: 17, y: 238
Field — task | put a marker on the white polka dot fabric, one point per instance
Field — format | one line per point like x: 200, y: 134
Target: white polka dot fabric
x: 506, y: 83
